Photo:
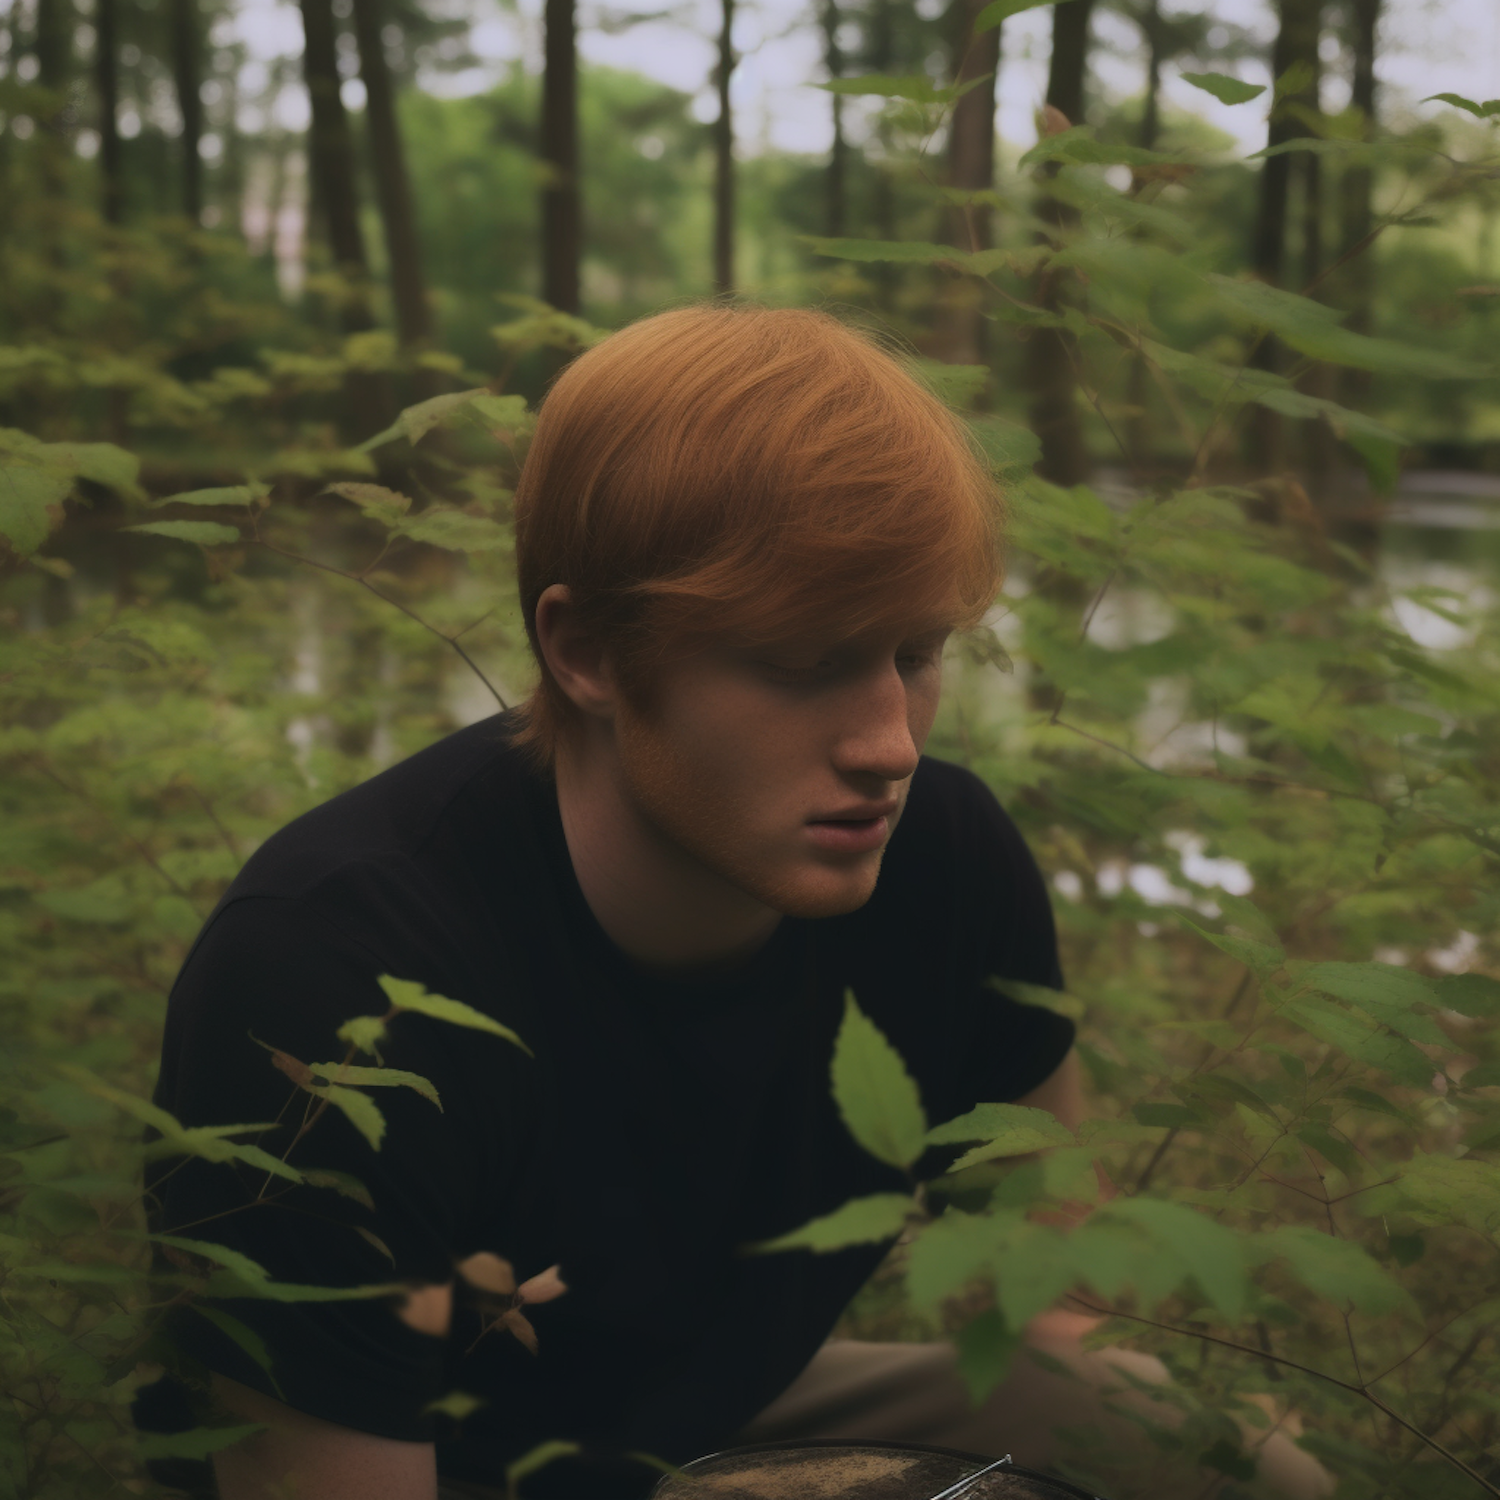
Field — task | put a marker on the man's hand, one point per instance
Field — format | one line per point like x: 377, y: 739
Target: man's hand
x: 299, y: 1457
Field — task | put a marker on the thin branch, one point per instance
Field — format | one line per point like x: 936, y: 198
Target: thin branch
x: 411, y: 614
x: 1356, y: 1390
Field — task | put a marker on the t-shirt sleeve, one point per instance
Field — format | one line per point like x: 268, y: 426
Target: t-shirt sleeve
x: 269, y: 973
x: 1021, y: 1044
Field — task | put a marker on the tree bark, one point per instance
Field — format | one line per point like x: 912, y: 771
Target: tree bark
x: 107, y: 89
x: 960, y: 324
x: 52, y: 42
x: 836, y: 179
x: 392, y: 184
x: 187, y: 72
x: 883, y: 187
x: 1050, y: 356
x: 1357, y: 187
x: 561, y: 207
x: 331, y: 161
x: 724, y: 158
x: 1151, y: 109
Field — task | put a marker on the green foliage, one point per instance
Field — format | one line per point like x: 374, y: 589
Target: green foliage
x: 1294, y: 1155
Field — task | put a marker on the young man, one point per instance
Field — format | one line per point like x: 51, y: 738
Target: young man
x: 743, y: 537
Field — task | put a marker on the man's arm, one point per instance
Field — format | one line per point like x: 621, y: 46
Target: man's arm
x: 299, y: 1457
x: 1061, y: 1092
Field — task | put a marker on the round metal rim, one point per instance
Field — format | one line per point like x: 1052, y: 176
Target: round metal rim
x: 1066, y: 1485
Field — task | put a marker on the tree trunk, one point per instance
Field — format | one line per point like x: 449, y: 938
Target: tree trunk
x: 883, y: 199
x: 1356, y: 189
x: 52, y: 42
x: 724, y: 159
x: 107, y: 88
x: 392, y: 185
x: 1151, y: 109
x: 1301, y: 24
x: 960, y: 326
x: 836, y: 179
x: 187, y: 72
x: 1050, y: 355
x: 561, y: 211
x: 331, y: 160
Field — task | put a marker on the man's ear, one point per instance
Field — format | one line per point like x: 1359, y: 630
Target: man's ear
x: 576, y: 658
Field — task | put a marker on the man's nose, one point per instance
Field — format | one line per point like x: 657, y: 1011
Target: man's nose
x: 878, y: 740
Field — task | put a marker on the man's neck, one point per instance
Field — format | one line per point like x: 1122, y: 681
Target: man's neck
x: 664, y: 909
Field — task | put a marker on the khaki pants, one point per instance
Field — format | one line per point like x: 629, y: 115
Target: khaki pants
x: 913, y: 1393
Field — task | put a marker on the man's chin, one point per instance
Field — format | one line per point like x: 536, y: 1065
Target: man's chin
x: 824, y: 893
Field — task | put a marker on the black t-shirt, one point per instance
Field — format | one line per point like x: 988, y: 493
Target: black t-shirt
x: 659, y: 1127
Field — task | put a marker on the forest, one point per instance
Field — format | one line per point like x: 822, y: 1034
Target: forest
x: 273, y: 332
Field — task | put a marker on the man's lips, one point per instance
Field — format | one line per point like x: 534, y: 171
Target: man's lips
x: 854, y: 830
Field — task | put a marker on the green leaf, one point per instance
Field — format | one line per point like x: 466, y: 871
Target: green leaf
x: 1363, y: 1040
x: 1386, y: 992
x: 1442, y: 1190
x: 1368, y: 1099
x: 1469, y: 994
x: 1336, y: 1269
x: 947, y: 1255
x: 362, y: 1111
x: 454, y: 529
x: 247, y: 1338
x: 30, y: 503
x: 1225, y: 89
x: 233, y: 494
x: 1002, y: 1130
x: 916, y: 88
x: 999, y: 11
x: 406, y: 994
x: 374, y: 500
x: 197, y: 1443
x: 1007, y: 445
x: 363, y: 1032
x: 456, y: 1404
x: 875, y: 1094
x: 415, y: 422
x: 537, y: 1458
x: 375, y: 1078
x: 204, y: 533
x: 1322, y: 1140
x: 1260, y: 958
x: 1211, y: 1254
x: 957, y: 385
x: 1081, y: 145
x: 856, y: 1222
x: 986, y: 1347
x: 240, y: 1276
x: 345, y: 1184
x: 1485, y: 111
x: 1175, y: 1116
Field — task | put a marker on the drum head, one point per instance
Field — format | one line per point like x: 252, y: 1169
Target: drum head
x: 828, y: 1469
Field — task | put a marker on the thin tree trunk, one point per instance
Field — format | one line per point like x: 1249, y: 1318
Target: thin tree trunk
x: 187, y: 72
x: 392, y: 185
x: 332, y: 159
x: 107, y: 89
x: 971, y: 168
x: 836, y: 178
x: 883, y: 204
x: 1138, y: 432
x: 52, y: 42
x: 561, y: 211
x: 1050, y: 353
x: 724, y: 159
x: 1357, y: 187
x: 1151, y: 110
x: 1299, y: 22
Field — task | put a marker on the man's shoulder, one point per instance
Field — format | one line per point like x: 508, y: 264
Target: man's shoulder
x: 390, y: 821
x: 950, y: 801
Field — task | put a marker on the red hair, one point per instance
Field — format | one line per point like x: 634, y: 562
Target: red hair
x: 746, y: 471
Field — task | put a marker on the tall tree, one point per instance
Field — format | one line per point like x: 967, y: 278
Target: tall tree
x: 1050, y: 358
x: 836, y: 180
x: 107, y: 93
x: 1295, y: 66
x: 392, y: 185
x: 724, y: 157
x: 1357, y: 186
x: 52, y: 41
x: 331, y: 160
x: 971, y: 169
x: 561, y: 210
x: 187, y: 73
